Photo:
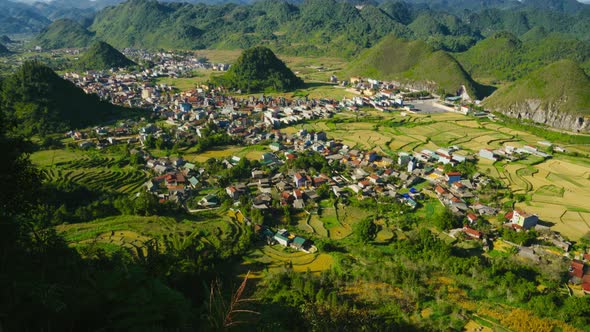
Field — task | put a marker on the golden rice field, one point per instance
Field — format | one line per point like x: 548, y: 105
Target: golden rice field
x: 275, y: 258
x: 250, y: 152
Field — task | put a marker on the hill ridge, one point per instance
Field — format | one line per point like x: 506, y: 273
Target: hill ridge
x: 101, y: 56
x: 557, y: 95
x: 416, y: 64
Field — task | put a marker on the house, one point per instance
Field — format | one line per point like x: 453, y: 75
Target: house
x: 257, y: 174
x: 576, y: 270
x: 472, y: 232
x: 269, y: 158
x: 440, y: 190
x: 300, y: 243
x: 523, y: 219
x: 233, y: 192
x: 209, y: 201
x: 275, y: 146
x: 453, y: 177
x: 160, y: 169
x: 586, y: 284
x: 300, y: 180
x: 282, y: 237
x: 193, y: 181
x: 472, y: 218
x: 488, y: 154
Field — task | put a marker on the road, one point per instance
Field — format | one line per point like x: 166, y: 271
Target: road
x: 427, y: 106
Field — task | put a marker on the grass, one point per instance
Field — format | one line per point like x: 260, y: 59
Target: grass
x: 134, y: 231
x: 50, y: 157
x: 550, y: 190
x: 182, y: 84
x: 252, y: 152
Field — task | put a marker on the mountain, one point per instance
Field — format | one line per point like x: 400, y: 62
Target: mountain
x: 4, y: 50
x: 102, y: 56
x: 564, y: 6
x: 557, y: 95
x: 55, y: 11
x: 63, y: 33
x: 20, y: 18
x: 41, y: 102
x: 414, y: 63
x: 4, y: 39
x: 259, y: 70
x: 505, y: 57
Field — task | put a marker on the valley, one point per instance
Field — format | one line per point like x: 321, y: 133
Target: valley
x: 317, y: 165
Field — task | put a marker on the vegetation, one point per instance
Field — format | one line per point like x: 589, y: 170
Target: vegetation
x: 101, y: 56
x: 38, y: 101
x: 63, y: 33
x: 17, y: 17
x: 561, y: 86
x: 259, y: 70
x: 415, y: 61
x: 505, y: 57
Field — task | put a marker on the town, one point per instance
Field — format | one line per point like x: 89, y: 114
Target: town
x: 286, y: 177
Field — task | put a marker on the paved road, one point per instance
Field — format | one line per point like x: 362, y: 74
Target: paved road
x: 427, y: 106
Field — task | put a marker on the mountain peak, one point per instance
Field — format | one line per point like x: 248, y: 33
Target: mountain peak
x: 102, y: 56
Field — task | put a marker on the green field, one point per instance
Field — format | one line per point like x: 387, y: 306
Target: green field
x: 102, y: 174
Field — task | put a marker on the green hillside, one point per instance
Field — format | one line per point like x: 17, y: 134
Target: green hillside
x: 397, y: 59
x: 4, y: 39
x: 102, y: 56
x: 3, y: 50
x: 41, y: 102
x: 504, y: 57
x: 561, y: 86
x: 63, y: 33
x: 257, y: 70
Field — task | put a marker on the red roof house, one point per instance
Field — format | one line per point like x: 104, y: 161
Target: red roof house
x: 472, y: 232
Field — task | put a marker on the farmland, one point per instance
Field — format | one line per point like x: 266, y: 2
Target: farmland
x: 252, y: 152
x: 97, y: 172
x: 556, y: 189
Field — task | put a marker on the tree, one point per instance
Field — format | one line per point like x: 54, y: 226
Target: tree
x: 145, y: 204
x: 365, y: 230
x: 446, y: 220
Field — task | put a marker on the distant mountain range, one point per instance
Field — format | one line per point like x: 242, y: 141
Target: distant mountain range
x: 26, y: 16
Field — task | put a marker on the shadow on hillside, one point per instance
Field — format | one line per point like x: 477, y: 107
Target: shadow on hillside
x: 546, y: 223
x: 484, y: 90
x: 313, y: 85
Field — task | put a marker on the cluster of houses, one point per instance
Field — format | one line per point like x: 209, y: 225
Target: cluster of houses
x: 511, y: 153
x: 454, y: 191
x: 136, y: 89
x: 127, y: 89
x: 174, y: 64
x: 368, y: 174
x: 281, y: 237
x: 175, y: 179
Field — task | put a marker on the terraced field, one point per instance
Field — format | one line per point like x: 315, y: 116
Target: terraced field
x: 98, y: 174
x: 275, y: 258
x: 133, y: 232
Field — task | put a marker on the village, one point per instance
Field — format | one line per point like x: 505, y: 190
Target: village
x: 210, y: 117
